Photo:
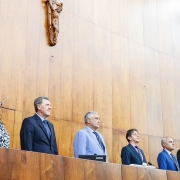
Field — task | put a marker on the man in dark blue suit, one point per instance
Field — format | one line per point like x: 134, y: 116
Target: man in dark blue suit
x: 166, y: 160
x: 132, y: 154
x: 178, y: 157
x: 37, y: 134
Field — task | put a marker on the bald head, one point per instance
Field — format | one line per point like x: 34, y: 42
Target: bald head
x: 167, y: 143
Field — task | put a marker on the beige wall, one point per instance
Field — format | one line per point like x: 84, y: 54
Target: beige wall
x: 120, y: 58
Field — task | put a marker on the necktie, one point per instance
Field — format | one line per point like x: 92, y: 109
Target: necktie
x: 99, y: 140
x: 139, y: 153
x: 47, y: 128
x: 175, y: 162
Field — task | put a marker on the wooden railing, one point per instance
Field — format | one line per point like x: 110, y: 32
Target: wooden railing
x: 25, y: 165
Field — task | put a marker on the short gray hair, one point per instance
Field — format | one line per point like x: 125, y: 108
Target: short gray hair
x: 89, y: 115
x: 163, y: 141
x: 39, y: 100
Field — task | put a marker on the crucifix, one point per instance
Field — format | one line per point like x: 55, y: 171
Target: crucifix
x: 54, y: 9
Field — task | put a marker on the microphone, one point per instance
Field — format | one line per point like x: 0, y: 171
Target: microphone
x: 150, y: 164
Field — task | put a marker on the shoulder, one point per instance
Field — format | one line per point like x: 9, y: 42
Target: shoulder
x: 126, y: 148
x: 29, y: 120
x: 4, y: 136
x: 162, y: 154
x: 178, y: 152
x: 31, y: 117
x: 2, y: 128
x: 1, y: 125
x: 81, y: 135
x: 125, y: 151
x: 82, y: 131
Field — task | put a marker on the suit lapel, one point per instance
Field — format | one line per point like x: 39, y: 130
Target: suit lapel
x: 137, y: 154
x: 39, y: 121
x: 50, y: 127
x: 173, y: 161
x: 93, y: 136
x: 101, y: 141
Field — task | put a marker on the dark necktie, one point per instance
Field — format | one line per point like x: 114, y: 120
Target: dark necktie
x: 139, y: 153
x: 47, y: 128
x: 99, y: 140
x: 175, y: 162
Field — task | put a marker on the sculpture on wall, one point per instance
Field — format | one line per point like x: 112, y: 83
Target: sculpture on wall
x: 54, y: 9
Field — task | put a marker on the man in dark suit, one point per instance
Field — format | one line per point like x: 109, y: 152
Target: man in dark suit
x: 37, y: 134
x: 166, y: 160
x: 132, y: 154
x: 178, y: 157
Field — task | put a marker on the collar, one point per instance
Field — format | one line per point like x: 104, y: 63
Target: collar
x: 42, y: 119
x: 89, y: 129
x: 133, y: 145
x: 168, y: 152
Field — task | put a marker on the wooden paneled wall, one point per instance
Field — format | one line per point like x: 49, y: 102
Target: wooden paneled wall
x: 120, y: 58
